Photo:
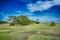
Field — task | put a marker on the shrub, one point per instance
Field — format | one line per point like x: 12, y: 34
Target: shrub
x: 12, y: 24
x: 37, y: 21
x: 52, y: 24
x: 3, y: 22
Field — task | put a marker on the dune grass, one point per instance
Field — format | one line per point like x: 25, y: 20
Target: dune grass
x: 40, y: 31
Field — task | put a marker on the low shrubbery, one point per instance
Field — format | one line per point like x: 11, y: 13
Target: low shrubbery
x: 12, y: 24
x: 2, y: 22
x: 52, y: 24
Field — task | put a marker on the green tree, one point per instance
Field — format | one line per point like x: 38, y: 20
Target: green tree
x: 12, y: 20
x: 3, y: 22
x: 23, y: 20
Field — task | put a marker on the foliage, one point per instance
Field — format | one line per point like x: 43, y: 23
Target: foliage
x: 37, y: 21
x: 12, y: 24
x: 32, y: 21
x: 52, y: 24
x: 21, y: 20
x: 2, y: 22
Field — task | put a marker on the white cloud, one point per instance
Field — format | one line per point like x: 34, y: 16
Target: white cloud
x: 39, y: 6
x: 56, y: 2
x: 19, y: 11
x: 49, y: 18
x: 24, y: 13
x: 45, y: 18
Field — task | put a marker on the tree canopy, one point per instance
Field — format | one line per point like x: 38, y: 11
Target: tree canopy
x: 21, y: 20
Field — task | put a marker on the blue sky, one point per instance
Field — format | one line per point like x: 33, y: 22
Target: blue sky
x: 45, y: 10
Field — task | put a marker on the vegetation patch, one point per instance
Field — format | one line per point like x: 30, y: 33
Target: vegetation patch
x: 38, y: 37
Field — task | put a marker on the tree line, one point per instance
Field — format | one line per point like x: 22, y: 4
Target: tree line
x: 22, y: 20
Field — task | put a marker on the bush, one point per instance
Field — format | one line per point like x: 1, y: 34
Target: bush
x: 37, y: 21
x: 52, y: 24
x: 3, y: 22
x: 24, y: 23
x: 38, y: 37
x: 12, y: 24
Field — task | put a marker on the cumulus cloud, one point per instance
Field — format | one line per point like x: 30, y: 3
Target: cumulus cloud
x: 39, y: 6
x: 24, y: 13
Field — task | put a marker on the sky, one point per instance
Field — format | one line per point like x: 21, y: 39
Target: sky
x: 44, y: 10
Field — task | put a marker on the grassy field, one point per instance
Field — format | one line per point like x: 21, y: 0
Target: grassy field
x: 40, y: 31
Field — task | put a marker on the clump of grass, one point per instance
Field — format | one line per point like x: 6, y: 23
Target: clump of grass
x: 4, y: 37
x: 38, y: 37
x: 4, y: 31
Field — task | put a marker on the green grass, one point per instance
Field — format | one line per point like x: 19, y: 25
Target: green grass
x: 40, y: 31
x: 38, y: 37
x: 4, y: 37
